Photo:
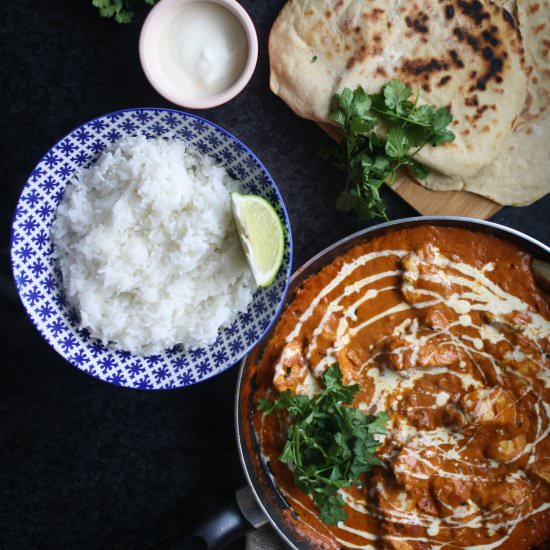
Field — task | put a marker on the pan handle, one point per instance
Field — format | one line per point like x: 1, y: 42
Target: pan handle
x: 227, y: 523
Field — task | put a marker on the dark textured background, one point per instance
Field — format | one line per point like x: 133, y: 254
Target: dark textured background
x: 84, y: 464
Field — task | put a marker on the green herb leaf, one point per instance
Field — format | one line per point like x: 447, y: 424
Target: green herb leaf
x: 361, y: 104
x: 423, y: 115
x: 397, y: 143
x: 370, y: 158
x: 359, y: 125
x: 342, y: 102
x: 377, y: 423
x: 120, y: 10
x: 420, y: 171
x: 441, y: 118
x: 396, y: 94
x: 330, y: 444
x: 331, y: 508
x: 346, y: 201
x: 291, y: 403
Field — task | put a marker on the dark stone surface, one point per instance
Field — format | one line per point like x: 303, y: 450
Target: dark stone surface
x: 85, y: 464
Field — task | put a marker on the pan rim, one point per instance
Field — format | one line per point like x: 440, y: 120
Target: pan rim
x: 529, y: 244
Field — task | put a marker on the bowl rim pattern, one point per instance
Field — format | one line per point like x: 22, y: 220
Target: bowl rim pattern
x: 279, y: 288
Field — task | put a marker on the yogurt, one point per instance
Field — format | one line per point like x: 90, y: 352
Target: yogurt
x: 193, y: 51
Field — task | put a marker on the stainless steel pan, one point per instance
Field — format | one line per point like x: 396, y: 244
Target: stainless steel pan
x: 261, y: 502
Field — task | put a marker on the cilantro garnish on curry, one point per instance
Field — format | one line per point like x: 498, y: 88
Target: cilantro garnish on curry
x: 444, y: 337
x: 329, y: 445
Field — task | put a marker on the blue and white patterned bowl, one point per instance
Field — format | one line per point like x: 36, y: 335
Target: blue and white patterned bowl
x: 39, y: 282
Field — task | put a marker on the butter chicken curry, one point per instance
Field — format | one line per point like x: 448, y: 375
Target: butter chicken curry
x: 445, y: 330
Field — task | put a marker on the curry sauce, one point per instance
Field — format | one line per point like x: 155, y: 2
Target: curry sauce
x: 446, y: 330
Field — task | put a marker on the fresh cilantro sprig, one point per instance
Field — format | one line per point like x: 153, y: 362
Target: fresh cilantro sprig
x: 121, y: 10
x: 329, y: 445
x: 370, y: 158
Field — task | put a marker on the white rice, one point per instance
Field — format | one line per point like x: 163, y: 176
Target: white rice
x: 147, y: 246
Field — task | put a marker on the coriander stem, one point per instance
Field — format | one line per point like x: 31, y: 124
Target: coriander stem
x: 417, y: 96
x: 417, y: 150
x: 405, y: 119
x: 348, y: 157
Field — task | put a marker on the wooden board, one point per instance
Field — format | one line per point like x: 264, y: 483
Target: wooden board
x: 436, y: 203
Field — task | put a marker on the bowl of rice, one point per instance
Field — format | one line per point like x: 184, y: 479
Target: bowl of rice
x: 126, y: 256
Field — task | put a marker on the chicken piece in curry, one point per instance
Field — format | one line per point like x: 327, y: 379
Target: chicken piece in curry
x: 446, y: 330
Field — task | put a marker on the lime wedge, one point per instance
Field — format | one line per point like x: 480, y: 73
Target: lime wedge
x: 261, y: 234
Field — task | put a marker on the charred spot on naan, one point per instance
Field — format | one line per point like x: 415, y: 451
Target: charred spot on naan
x: 481, y: 43
x: 366, y: 44
x: 418, y: 23
x: 457, y: 62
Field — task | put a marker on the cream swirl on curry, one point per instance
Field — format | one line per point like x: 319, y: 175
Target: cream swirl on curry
x: 446, y: 330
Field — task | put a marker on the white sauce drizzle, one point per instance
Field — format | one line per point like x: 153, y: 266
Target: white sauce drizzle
x: 476, y: 293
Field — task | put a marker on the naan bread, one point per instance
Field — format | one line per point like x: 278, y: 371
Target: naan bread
x: 467, y: 55
x: 520, y: 174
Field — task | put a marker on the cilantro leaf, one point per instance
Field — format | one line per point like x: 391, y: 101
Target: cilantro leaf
x: 341, y: 104
x: 397, y: 143
x: 423, y: 115
x: 441, y: 119
x: 331, y: 508
x: 359, y: 125
x: 330, y: 444
x: 420, y: 171
x: 377, y: 424
x: 370, y: 158
x: 120, y: 10
x: 347, y: 201
x: 396, y: 95
x: 292, y: 403
x: 361, y: 104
